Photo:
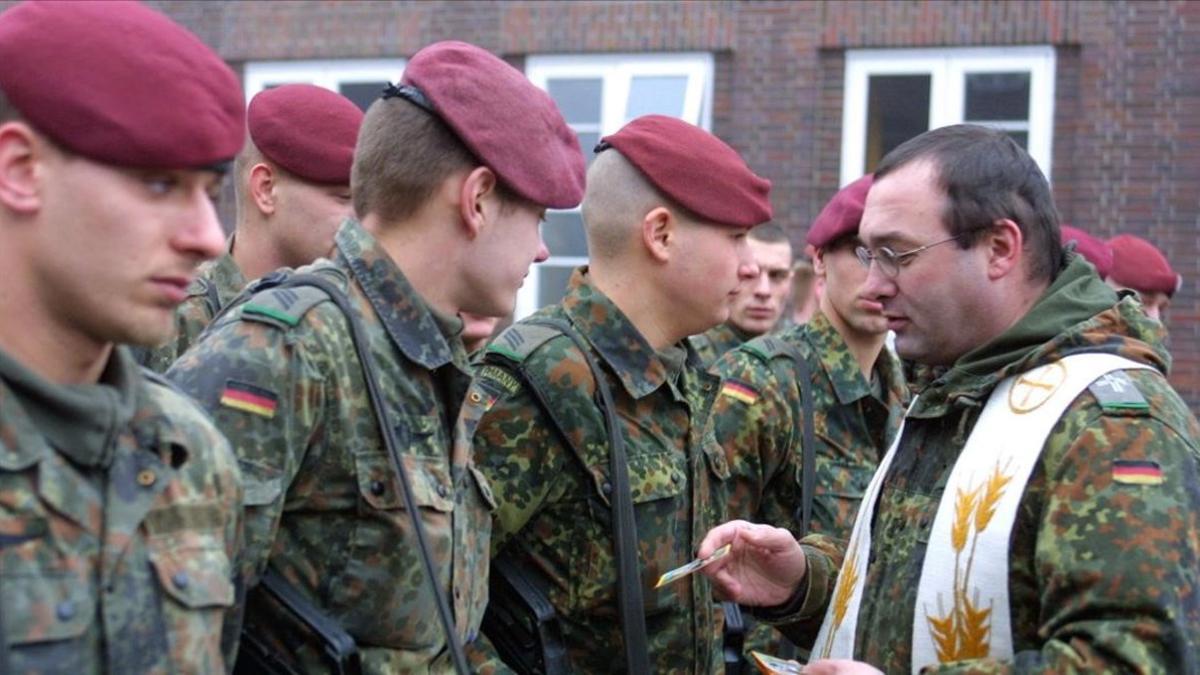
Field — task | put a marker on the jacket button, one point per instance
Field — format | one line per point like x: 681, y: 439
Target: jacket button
x: 378, y: 488
x: 180, y: 579
x: 146, y: 478
x: 442, y: 491
x: 65, y: 610
x: 606, y: 488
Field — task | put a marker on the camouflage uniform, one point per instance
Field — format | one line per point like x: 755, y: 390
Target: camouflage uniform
x: 122, y: 521
x: 218, y: 280
x: 715, y: 341
x: 554, y: 515
x: 853, y: 420
x: 1102, y: 575
x: 323, y: 505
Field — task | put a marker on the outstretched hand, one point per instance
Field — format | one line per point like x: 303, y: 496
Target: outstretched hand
x: 764, y: 565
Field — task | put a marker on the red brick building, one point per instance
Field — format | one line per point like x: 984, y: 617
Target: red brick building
x: 1106, y: 95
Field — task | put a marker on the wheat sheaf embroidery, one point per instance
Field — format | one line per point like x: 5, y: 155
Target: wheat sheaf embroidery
x: 965, y: 631
x: 842, y: 597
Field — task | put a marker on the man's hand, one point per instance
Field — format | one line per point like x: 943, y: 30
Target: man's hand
x: 764, y: 565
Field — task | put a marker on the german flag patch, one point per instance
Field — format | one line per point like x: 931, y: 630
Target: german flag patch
x: 249, y: 398
x: 1137, y: 472
x: 740, y: 391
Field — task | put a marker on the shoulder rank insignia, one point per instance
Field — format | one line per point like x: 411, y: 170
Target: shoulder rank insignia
x: 249, y: 398
x: 1115, y: 391
x: 739, y: 390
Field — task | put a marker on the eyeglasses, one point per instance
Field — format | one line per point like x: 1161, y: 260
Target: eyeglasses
x: 890, y: 261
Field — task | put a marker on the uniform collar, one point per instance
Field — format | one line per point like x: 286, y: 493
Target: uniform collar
x: 614, y: 336
x: 842, y: 369
x: 403, y: 313
x: 225, y: 275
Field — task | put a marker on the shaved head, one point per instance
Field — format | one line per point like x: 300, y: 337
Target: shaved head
x: 618, y: 196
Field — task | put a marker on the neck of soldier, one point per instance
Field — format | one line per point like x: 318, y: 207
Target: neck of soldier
x: 425, y: 251
x: 637, y: 300
x: 254, y: 250
x: 864, y: 346
x: 47, y: 343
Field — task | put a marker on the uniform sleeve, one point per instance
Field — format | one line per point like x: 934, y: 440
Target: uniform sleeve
x: 754, y: 421
x: 519, y: 452
x: 191, y: 317
x: 266, y: 396
x: 233, y: 496
x: 1117, y: 551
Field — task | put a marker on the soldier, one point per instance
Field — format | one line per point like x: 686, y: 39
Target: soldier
x: 452, y: 173
x: 292, y: 182
x: 1139, y: 266
x: 121, y: 504
x: 757, y: 308
x: 666, y: 213
x: 857, y: 396
x: 1040, y: 508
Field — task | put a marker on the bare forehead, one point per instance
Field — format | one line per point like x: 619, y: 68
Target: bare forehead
x: 905, y: 206
x: 777, y: 253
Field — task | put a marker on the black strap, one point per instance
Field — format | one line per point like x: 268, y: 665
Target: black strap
x: 370, y: 374
x: 211, y: 297
x: 629, y: 577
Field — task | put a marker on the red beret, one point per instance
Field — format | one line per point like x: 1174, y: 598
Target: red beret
x: 841, y: 215
x: 1095, y: 251
x: 1137, y: 264
x: 694, y: 168
x: 121, y: 84
x: 512, y: 126
x: 308, y: 130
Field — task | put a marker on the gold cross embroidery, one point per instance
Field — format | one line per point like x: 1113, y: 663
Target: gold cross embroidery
x: 1034, y: 388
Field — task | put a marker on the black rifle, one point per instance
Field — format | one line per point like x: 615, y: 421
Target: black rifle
x: 275, y: 607
x: 521, y: 622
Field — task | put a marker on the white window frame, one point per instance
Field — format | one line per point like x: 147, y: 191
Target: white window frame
x: 948, y: 68
x: 616, y: 72
x: 327, y: 73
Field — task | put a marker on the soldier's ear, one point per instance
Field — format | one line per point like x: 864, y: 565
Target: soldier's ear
x: 1004, y: 243
x: 658, y: 232
x: 22, y: 164
x: 479, y: 200
x: 260, y: 182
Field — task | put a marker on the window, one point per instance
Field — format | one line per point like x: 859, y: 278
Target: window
x: 598, y: 95
x: 895, y: 94
x: 360, y: 80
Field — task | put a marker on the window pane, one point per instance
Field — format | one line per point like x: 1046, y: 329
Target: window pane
x: 897, y: 110
x: 362, y: 93
x: 552, y: 283
x: 578, y: 99
x: 997, y: 96
x: 563, y: 233
x: 659, y: 94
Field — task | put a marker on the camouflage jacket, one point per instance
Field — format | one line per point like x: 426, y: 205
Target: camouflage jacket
x: 280, y: 375
x: 1103, y: 575
x: 117, y: 556
x: 553, y: 509
x: 715, y: 341
x: 217, y: 283
x: 758, y: 420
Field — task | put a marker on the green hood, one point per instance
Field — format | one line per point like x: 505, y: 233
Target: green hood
x: 1077, y: 313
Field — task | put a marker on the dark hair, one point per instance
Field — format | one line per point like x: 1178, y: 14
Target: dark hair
x: 403, y: 153
x: 768, y: 233
x: 987, y: 177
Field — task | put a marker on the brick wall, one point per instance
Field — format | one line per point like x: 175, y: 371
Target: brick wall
x: 1126, y: 154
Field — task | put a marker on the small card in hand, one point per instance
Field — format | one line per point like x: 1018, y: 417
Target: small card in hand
x: 697, y: 564
x: 773, y: 665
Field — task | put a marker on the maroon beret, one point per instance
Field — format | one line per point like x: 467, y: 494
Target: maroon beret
x: 308, y: 130
x: 1094, y: 250
x: 841, y: 215
x: 512, y: 126
x: 694, y: 168
x: 121, y: 84
x: 1137, y: 264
